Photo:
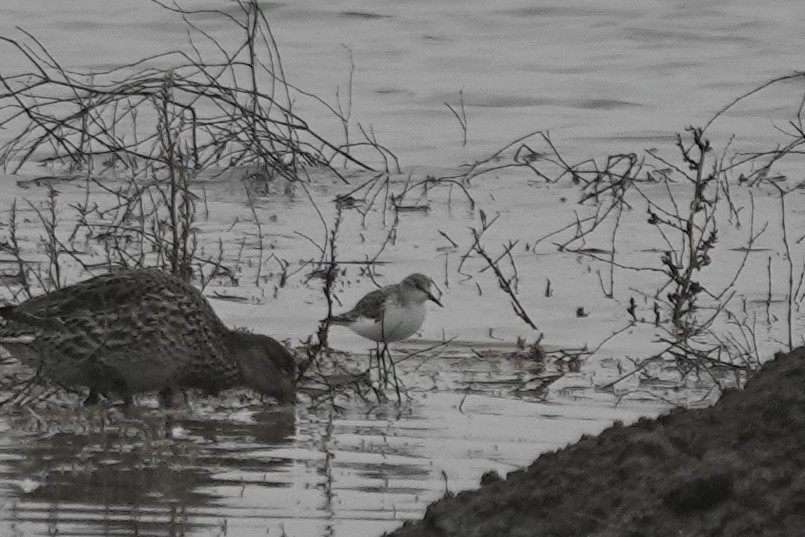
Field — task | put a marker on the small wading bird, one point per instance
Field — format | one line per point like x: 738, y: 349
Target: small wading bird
x: 391, y: 313
x: 137, y: 331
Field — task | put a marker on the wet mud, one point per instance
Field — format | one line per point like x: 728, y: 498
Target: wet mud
x: 737, y: 468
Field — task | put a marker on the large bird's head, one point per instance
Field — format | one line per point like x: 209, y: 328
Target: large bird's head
x: 266, y: 366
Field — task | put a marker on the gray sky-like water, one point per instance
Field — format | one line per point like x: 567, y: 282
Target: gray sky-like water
x: 601, y: 76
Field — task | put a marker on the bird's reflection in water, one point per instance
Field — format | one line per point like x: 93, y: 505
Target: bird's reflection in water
x: 156, y: 474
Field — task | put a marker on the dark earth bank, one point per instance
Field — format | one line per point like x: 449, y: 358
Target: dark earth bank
x: 737, y: 468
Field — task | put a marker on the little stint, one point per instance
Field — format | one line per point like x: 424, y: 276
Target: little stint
x: 391, y: 313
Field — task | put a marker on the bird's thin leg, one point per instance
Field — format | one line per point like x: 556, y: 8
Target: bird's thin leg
x: 388, y: 365
x: 382, y: 370
x: 92, y: 398
x: 375, y: 387
x: 119, y: 387
x: 166, y: 397
x: 394, y: 376
x: 378, y: 393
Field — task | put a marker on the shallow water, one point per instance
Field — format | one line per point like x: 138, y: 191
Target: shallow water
x: 223, y: 471
x: 602, y: 76
x: 222, y: 468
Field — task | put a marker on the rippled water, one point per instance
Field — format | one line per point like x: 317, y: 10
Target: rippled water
x: 257, y: 471
x: 602, y: 76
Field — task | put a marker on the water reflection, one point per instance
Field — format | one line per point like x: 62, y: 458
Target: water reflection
x: 154, y: 475
x: 218, y: 469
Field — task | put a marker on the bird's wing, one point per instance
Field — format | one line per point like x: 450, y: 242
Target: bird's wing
x: 370, y: 307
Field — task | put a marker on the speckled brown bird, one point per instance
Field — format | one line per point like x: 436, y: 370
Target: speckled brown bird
x: 138, y: 331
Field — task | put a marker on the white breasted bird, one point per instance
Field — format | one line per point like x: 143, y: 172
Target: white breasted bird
x: 393, y: 312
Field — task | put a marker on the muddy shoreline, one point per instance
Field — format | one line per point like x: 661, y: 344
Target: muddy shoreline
x: 733, y: 469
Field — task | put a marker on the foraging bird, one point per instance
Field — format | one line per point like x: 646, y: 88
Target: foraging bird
x: 139, y: 331
x: 391, y: 313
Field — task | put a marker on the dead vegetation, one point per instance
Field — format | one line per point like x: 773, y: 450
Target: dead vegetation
x: 143, y: 139
x: 706, y: 332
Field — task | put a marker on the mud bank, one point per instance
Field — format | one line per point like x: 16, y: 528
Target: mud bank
x: 737, y: 468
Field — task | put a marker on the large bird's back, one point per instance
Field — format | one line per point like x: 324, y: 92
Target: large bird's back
x: 140, y: 328
x: 146, y: 289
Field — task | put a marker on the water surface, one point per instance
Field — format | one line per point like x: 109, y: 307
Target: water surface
x: 601, y: 76
x: 607, y: 76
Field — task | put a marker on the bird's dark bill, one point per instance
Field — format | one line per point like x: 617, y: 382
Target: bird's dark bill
x: 434, y: 299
